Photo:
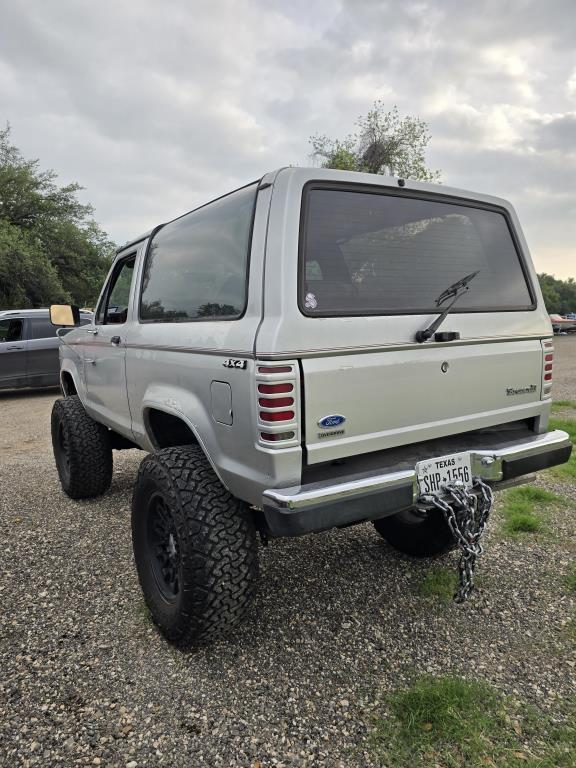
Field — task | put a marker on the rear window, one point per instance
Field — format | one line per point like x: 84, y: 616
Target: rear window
x: 367, y: 253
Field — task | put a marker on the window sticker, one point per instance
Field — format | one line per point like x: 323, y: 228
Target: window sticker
x: 310, y: 302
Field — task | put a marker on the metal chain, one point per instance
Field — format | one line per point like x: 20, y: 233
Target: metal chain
x: 466, y: 512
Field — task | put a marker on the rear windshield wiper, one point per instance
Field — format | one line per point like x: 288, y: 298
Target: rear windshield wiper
x: 453, y: 292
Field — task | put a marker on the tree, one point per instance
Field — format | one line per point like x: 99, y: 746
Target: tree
x: 549, y: 293
x: 27, y: 277
x: 51, y: 249
x: 559, y: 295
x: 385, y: 143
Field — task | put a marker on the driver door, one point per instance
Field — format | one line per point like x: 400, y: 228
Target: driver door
x: 105, y: 351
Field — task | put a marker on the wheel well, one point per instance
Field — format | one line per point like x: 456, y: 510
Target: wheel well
x: 166, y: 430
x: 68, y: 386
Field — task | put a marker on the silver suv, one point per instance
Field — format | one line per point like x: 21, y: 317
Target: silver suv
x: 29, y: 349
x: 314, y: 350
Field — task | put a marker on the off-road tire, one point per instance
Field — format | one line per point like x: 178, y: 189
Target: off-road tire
x: 82, y: 450
x: 420, y: 536
x: 194, y: 545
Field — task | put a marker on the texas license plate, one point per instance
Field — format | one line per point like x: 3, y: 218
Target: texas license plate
x: 432, y: 474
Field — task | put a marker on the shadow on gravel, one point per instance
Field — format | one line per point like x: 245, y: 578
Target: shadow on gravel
x: 15, y: 394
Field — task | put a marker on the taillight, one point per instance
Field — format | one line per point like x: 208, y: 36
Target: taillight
x: 279, y: 369
x: 547, y: 367
x: 281, y: 402
x: 275, y: 389
x: 277, y: 403
x: 275, y: 437
x: 276, y: 415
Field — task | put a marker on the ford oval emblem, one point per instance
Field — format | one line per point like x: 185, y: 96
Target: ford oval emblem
x: 331, y: 421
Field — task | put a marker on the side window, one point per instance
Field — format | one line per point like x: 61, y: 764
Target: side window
x: 113, y: 309
x: 196, y: 267
x: 11, y: 330
x: 42, y: 328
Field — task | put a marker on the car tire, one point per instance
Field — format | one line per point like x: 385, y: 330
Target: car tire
x: 82, y: 450
x: 194, y: 545
x: 417, y: 532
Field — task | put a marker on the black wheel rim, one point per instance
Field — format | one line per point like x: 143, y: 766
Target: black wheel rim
x: 63, y: 454
x: 163, y: 548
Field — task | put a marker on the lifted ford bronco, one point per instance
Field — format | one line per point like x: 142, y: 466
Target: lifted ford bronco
x: 316, y: 349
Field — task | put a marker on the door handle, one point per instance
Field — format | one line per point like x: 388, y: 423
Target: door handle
x: 90, y: 360
x: 115, y: 340
x: 13, y: 349
x: 93, y: 331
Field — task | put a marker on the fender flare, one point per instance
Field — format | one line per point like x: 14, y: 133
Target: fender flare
x: 68, y: 368
x: 173, y: 406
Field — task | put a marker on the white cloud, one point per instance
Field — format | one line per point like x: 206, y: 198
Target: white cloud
x: 571, y: 85
x: 158, y: 107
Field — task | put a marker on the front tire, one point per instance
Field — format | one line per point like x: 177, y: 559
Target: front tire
x: 82, y: 450
x: 417, y: 533
x: 194, y: 545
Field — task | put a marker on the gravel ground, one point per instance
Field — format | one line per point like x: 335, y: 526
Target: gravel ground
x: 565, y: 367
x: 85, y: 679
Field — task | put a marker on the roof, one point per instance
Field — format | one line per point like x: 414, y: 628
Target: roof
x: 134, y: 241
x: 24, y: 312
x: 31, y: 312
x: 303, y: 175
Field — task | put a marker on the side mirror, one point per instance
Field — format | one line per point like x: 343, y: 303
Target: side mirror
x: 65, y: 315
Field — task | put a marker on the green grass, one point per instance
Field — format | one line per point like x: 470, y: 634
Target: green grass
x: 522, y: 521
x: 570, y: 580
x: 522, y: 509
x: 565, y: 471
x: 454, y: 723
x: 440, y: 582
x: 143, y: 612
x: 568, y: 425
x: 531, y: 495
x: 563, y: 405
x: 569, y: 630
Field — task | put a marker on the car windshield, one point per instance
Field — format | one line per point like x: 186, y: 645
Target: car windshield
x: 372, y: 253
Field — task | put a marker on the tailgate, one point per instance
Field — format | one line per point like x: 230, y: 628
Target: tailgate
x: 394, y: 397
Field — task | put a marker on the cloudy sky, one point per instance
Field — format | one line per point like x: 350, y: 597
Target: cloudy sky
x: 156, y: 107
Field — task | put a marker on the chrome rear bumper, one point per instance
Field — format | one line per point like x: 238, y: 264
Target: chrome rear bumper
x: 369, y: 496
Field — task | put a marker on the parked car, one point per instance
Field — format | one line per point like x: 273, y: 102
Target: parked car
x: 562, y: 324
x: 317, y: 349
x: 29, y: 348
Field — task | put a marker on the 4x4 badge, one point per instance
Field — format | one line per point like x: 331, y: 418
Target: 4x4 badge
x: 232, y: 363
